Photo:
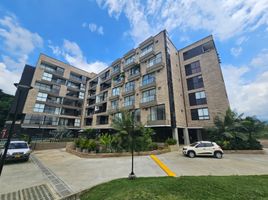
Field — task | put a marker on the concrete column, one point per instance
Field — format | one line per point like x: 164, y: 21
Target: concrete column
x: 199, y: 135
x: 186, y: 136
x: 175, y: 135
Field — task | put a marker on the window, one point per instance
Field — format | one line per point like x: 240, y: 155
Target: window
x: 101, y: 97
x: 81, y: 95
x: 146, y: 50
x: 147, y: 79
x: 39, y: 107
x: 118, y: 79
x: 157, y: 113
x: 130, y: 86
x: 73, y: 85
x: 130, y: 60
x: 208, y: 144
x: 46, y: 76
x: 75, y: 77
x: 116, y: 91
x: 134, y: 70
x: 129, y: 101
x: 52, y: 110
x: 41, y: 96
x: 43, y: 86
x: 200, y: 114
x: 76, y: 122
x: 192, y: 68
x: 137, y: 115
x: 82, y: 87
x: 195, y: 82
x: 148, y: 96
x: 197, y: 98
x: 114, y: 104
x: 156, y: 59
x: 116, y: 68
x: 118, y: 115
x: 198, y: 50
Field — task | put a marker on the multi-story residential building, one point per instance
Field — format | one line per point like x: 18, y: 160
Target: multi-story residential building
x: 176, y: 92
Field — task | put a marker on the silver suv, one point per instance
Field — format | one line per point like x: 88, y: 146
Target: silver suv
x: 203, y: 148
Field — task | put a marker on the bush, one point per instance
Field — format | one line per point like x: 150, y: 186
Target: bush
x: 153, y: 146
x: 171, y: 141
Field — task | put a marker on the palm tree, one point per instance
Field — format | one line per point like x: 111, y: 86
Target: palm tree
x: 252, y: 125
x: 126, y: 126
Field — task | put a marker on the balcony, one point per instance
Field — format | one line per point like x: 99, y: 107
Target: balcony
x: 129, y: 91
x: 155, y: 67
x: 119, y: 83
x: 158, y: 123
x: 115, y: 72
x: 113, y: 110
x: 134, y: 76
x: 114, y: 97
x: 129, y: 106
x: 148, y: 101
x: 147, y: 55
x: 150, y: 83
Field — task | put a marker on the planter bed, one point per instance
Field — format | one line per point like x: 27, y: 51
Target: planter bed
x: 71, y: 150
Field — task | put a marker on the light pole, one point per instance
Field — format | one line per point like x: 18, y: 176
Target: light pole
x: 11, y: 128
x: 132, y: 174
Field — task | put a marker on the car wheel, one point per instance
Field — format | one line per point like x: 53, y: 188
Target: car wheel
x: 191, y: 154
x: 218, y: 155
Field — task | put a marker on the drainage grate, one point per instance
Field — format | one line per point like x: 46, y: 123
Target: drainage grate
x: 62, y: 188
x: 40, y: 192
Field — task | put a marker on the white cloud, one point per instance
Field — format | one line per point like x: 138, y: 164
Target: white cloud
x: 236, y: 51
x: 72, y: 53
x: 93, y: 28
x: 261, y: 60
x: 17, y: 44
x: 8, y: 78
x: 223, y: 18
x: 249, y: 97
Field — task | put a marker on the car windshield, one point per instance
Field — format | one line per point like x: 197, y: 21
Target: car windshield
x: 193, y: 144
x: 17, y: 146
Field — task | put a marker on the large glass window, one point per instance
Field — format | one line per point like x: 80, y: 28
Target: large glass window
x: 116, y: 91
x: 197, y: 98
x: 43, y: 86
x: 148, y: 96
x: 137, y: 115
x: 116, y: 68
x: 77, y: 122
x: 134, y: 70
x: 39, y: 107
x: 130, y: 86
x: 192, y: 68
x: 114, y: 104
x: 47, y: 76
x: 129, y: 100
x: 154, y: 60
x: 146, y: 50
x: 148, y: 78
x: 81, y: 95
x: 41, y: 96
x: 200, y: 114
x: 195, y: 82
x: 118, y: 115
x: 157, y: 113
x: 130, y: 60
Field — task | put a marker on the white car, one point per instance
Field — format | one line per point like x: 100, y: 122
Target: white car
x: 17, y: 150
x: 203, y: 148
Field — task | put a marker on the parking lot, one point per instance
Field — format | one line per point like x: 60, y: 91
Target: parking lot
x: 68, y: 173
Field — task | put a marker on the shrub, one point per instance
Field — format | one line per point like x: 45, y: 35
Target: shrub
x: 153, y: 146
x: 171, y: 141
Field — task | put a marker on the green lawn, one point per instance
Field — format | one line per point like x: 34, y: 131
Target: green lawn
x: 188, y: 187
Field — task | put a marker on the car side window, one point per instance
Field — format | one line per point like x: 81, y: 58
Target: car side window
x: 200, y: 145
x: 208, y: 145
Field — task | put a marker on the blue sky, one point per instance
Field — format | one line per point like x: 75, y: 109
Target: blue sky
x: 91, y: 34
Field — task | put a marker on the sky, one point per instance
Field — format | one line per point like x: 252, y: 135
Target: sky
x: 91, y: 34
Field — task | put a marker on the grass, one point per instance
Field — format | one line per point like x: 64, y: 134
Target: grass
x: 187, y: 187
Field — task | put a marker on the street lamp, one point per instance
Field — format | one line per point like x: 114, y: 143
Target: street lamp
x: 132, y: 174
x: 20, y: 88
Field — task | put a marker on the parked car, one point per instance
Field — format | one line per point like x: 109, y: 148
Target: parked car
x: 203, y: 148
x: 17, y: 150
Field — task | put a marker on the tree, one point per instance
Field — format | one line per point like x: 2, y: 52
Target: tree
x: 107, y: 141
x: 252, y: 126
x: 5, y: 104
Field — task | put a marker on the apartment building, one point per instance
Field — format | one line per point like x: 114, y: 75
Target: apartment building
x: 176, y: 92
